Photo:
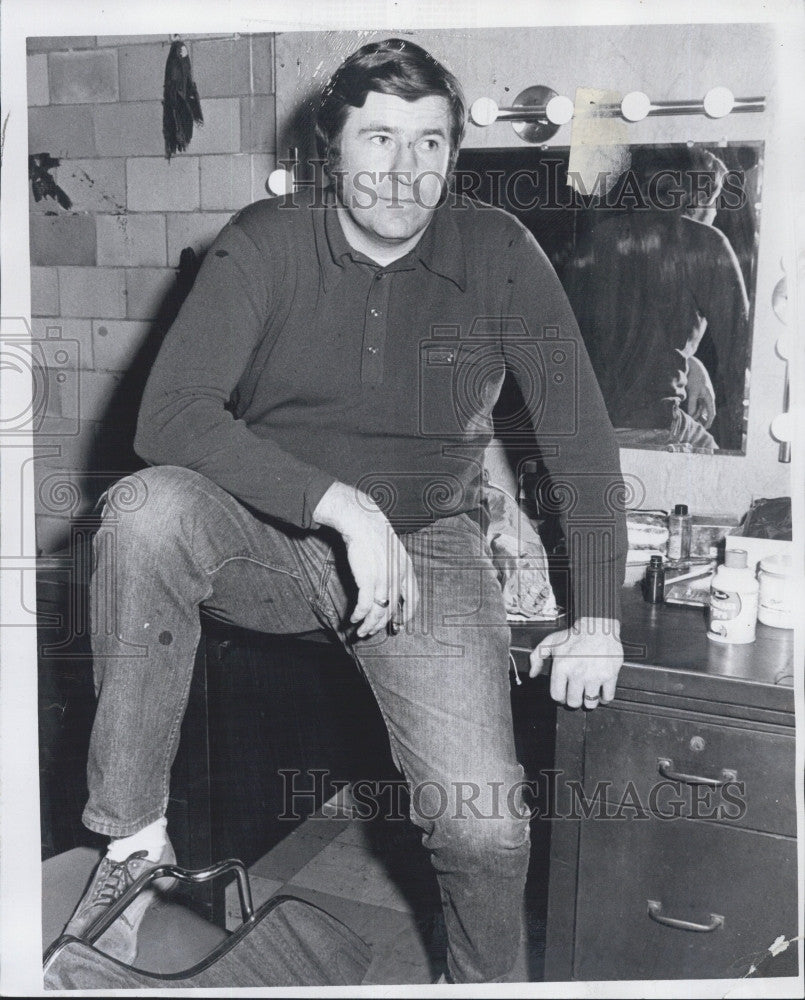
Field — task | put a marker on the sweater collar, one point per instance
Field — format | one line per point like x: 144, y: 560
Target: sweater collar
x: 440, y: 250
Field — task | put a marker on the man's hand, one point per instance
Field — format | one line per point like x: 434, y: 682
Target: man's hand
x: 387, y: 587
x: 586, y: 662
x: 701, y: 395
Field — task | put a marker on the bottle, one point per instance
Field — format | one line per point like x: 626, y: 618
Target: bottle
x: 655, y: 581
x: 679, y: 526
x: 732, y: 614
x: 775, y: 599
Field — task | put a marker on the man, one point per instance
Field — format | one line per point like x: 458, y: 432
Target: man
x: 316, y: 422
x: 683, y: 278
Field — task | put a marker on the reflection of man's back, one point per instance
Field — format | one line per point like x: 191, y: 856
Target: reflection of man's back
x: 644, y: 286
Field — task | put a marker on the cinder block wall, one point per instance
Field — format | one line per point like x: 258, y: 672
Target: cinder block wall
x: 104, y: 276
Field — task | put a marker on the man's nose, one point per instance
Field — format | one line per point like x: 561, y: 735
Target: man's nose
x: 405, y: 163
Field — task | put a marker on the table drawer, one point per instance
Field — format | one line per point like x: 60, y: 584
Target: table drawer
x: 693, y: 872
x: 754, y: 770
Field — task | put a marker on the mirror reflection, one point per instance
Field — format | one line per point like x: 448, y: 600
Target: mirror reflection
x: 659, y: 265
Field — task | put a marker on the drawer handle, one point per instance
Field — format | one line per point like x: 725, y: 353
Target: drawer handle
x: 655, y: 912
x: 666, y: 770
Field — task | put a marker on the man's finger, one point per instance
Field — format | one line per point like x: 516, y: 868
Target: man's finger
x: 608, y: 690
x: 364, y: 603
x: 537, y: 662
x: 558, y: 683
x: 575, y: 693
x: 378, y: 614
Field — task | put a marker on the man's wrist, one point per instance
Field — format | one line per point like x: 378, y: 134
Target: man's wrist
x: 343, y: 507
x: 598, y: 626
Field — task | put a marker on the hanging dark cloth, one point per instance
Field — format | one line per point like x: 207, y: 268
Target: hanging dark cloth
x: 180, y: 105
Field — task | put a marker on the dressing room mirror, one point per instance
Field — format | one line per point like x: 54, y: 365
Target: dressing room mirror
x: 659, y: 261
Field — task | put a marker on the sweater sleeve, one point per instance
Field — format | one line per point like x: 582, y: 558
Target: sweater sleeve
x: 184, y: 418
x: 574, y: 434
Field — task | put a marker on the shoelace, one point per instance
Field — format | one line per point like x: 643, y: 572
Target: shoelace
x: 117, y: 879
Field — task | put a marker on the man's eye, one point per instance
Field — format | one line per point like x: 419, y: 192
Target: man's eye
x: 431, y: 145
x: 380, y: 140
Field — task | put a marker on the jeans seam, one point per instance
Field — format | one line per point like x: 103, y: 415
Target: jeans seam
x: 248, y: 558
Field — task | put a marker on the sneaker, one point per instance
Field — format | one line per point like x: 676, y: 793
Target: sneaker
x: 110, y: 881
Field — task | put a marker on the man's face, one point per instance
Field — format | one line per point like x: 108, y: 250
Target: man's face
x: 393, y: 161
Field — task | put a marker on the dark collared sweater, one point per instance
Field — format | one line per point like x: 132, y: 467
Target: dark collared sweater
x: 296, y: 361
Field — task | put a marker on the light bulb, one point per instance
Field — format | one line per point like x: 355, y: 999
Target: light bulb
x: 280, y: 182
x: 559, y: 110
x: 484, y: 111
x: 718, y: 102
x: 781, y: 427
x: 635, y: 106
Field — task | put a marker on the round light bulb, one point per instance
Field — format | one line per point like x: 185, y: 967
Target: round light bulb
x: 484, y: 111
x: 718, y: 102
x: 635, y: 106
x: 559, y: 110
x: 785, y: 345
x: 779, y: 300
x: 280, y: 182
x: 781, y: 427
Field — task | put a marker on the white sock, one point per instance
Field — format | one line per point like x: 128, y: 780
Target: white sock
x: 151, y: 838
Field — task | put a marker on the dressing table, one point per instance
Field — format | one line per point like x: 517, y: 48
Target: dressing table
x: 673, y: 835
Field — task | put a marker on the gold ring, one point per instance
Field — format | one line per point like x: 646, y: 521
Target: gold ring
x: 382, y: 604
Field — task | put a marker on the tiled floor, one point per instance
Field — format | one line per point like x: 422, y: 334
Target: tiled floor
x: 375, y: 876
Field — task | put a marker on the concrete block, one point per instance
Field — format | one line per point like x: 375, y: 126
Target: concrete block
x: 220, y: 132
x: 142, y: 71
x: 147, y: 289
x: 91, y: 185
x: 37, y: 74
x: 118, y: 40
x: 221, y: 67
x: 131, y: 240
x: 52, y: 534
x: 258, y: 124
x: 92, y: 291
x: 51, y: 43
x: 262, y: 64
x: 60, y: 486
x: 196, y: 230
x: 62, y: 132
x: 161, y: 185
x: 98, y: 390
x: 44, y: 291
x: 117, y: 342
x: 88, y: 77
x: 262, y: 165
x: 129, y: 129
x: 67, y: 238
x: 66, y: 343
x: 225, y: 181
x: 72, y: 452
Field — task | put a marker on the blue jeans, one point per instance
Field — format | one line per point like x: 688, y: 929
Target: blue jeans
x: 172, y: 541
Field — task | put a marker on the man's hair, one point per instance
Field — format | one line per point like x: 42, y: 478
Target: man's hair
x: 394, y: 66
x: 657, y: 163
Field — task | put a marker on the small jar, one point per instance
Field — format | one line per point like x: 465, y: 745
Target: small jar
x: 679, y: 532
x: 654, y: 583
x: 774, y: 601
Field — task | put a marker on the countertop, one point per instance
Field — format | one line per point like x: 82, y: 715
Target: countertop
x: 666, y: 651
